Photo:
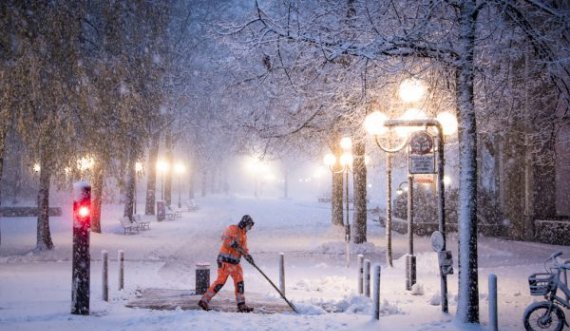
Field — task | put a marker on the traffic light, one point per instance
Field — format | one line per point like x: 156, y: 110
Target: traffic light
x: 82, y: 205
x: 81, y: 260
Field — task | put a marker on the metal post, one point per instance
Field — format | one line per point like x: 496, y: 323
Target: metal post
x: 376, y: 293
x: 367, y: 277
x: 81, y: 265
x: 411, y: 214
x: 282, y: 272
x: 389, y: 209
x: 410, y: 258
x: 360, y: 274
x: 347, y: 225
x: 441, y: 210
x: 121, y: 270
x: 135, y: 198
x: 493, y: 307
x: 105, y: 280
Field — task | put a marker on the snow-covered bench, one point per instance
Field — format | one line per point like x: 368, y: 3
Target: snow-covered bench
x: 142, y: 224
x: 191, y: 205
x: 171, y: 214
x: 128, y: 226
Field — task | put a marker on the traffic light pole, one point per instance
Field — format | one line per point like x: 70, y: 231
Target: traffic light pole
x: 81, y: 260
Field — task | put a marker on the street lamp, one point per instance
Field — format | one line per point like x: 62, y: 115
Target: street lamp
x: 345, y: 162
x: 179, y: 169
x: 162, y: 167
x: 377, y: 124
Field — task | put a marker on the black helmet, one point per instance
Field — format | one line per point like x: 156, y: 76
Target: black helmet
x: 246, y: 222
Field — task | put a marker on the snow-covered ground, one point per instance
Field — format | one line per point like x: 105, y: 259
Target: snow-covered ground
x: 35, y: 288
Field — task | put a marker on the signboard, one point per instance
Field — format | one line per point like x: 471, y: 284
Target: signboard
x: 421, y: 164
x: 437, y: 241
x: 421, y: 143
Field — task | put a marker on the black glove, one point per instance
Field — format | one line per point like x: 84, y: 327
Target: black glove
x: 248, y: 258
x: 234, y: 244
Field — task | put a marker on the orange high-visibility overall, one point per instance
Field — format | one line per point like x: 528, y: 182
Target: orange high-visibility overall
x: 228, y: 263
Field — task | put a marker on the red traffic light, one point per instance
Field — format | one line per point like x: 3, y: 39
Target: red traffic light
x: 83, y: 211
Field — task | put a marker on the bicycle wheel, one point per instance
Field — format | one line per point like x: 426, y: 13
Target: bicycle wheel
x: 536, y: 317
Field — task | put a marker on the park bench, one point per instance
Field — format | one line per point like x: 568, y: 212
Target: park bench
x: 191, y: 205
x: 128, y: 226
x: 138, y: 220
x: 171, y: 214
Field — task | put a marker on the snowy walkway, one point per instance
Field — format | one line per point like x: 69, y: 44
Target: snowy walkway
x: 35, y: 288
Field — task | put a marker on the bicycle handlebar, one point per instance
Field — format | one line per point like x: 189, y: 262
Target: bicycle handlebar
x: 554, y: 255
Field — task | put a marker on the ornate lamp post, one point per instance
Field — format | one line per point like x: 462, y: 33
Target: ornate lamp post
x: 162, y: 167
x: 343, y: 165
x: 378, y: 124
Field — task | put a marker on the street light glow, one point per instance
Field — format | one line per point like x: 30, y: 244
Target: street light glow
x: 179, y: 168
x: 448, y: 122
x: 346, y: 143
x: 85, y: 163
x: 412, y: 90
x: 374, y: 123
x: 346, y: 159
x: 329, y: 159
x: 162, y: 166
x: 410, y: 114
x: 138, y: 167
x: 447, y: 180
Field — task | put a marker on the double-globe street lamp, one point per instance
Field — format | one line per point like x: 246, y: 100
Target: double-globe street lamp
x: 379, y: 126
x: 343, y: 165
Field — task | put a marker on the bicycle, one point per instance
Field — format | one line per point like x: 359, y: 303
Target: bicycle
x: 547, y: 315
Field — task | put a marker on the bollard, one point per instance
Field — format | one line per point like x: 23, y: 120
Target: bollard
x: 202, y: 277
x: 493, y: 308
x: 376, y: 293
x: 282, y: 273
x: 105, y: 282
x: 360, y: 273
x: 121, y: 270
x: 367, y: 277
x: 410, y: 271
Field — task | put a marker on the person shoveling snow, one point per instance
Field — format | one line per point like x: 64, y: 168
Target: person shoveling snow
x: 234, y: 246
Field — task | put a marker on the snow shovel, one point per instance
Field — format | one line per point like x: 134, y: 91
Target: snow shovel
x: 269, y: 280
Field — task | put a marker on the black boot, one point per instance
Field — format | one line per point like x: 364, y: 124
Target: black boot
x: 243, y: 308
x: 204, y: 305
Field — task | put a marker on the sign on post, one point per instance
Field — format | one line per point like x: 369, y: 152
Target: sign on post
x: 421, y: 159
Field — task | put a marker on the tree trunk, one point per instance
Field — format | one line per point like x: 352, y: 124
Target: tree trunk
x: 359, y: 187
x: 150, y: 199
x: 168, y: 145
x: 130, y: 186
x: 97, y: 195
x: 17, y: 177
x: 44, y: 241
x: 468, y: 298
x: 2, y: 149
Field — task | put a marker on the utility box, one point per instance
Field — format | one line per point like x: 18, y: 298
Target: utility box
x: 202, y: 277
